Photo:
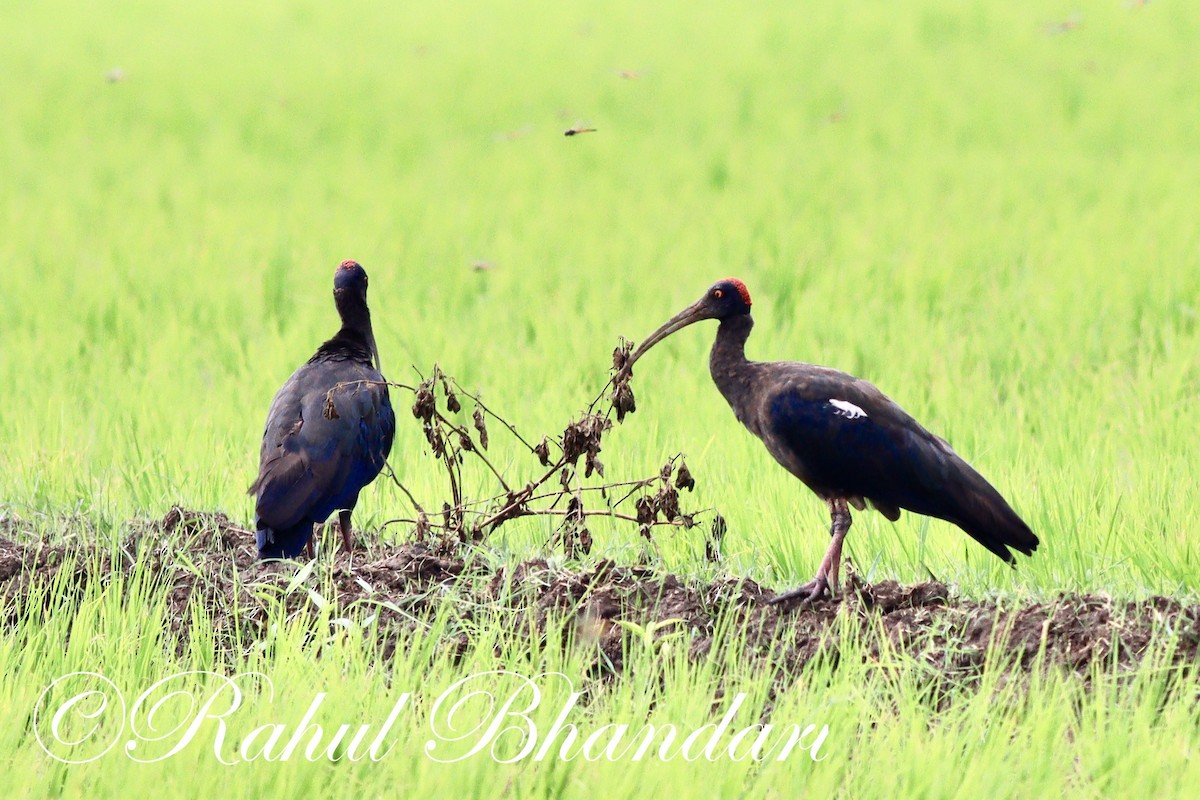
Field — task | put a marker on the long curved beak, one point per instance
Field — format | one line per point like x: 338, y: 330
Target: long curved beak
x: 693, y: 313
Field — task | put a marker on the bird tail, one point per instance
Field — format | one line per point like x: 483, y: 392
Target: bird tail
x: 283, y: 542
x: 987, y: 517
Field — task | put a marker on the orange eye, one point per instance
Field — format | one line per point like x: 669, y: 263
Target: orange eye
x: 718, y: 294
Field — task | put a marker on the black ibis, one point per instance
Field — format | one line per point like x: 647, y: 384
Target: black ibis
x: 329, y: 430
x: 847, y: 441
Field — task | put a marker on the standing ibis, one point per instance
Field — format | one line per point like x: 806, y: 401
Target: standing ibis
x: 846, y: 440
x: 329, y: 430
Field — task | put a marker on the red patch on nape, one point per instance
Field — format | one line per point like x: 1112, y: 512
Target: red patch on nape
x: 742, y: 290
x: 348, y: 264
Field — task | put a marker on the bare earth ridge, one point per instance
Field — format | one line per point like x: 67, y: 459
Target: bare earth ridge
x: 407, y: 583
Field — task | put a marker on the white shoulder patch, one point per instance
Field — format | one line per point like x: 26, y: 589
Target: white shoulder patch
x: 847, y: 409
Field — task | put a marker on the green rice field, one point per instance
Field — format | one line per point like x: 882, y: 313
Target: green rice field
x: 988, y: 210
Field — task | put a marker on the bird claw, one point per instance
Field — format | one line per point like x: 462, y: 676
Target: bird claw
x: 808, y: 593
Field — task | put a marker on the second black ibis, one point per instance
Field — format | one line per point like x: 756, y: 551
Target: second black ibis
x: 329, y: 431
x: 845, y: 440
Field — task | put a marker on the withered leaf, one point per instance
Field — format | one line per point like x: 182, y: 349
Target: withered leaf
x: 576, y: 541
x: 623, y: 400
x: 480, y: 427
x: 433, y: 435
x: 583, y: 436
x: 330, y: 410
x: 668, y: 503
x: 452, y: 404
x: 646, y: 511
x: 424, y: 406
x: 575, y: 508
x: 621, y: 354
x: 719, y: 527
x: 712, y: 545
x: 592, y: 464
x: 712, y: 551
x: 543, y: 451
x: 683, y: 478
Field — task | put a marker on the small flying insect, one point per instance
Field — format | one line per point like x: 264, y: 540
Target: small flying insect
x: 577, y: 129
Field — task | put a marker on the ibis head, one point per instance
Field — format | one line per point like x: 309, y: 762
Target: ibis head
x: 350, y: 297
x: 724, y: 299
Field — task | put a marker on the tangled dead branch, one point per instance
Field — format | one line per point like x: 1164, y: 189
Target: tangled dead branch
x: 567, y: 482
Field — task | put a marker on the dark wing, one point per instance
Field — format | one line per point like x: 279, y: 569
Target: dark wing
x: 845, y: 438
x: 368, y: 404
x: 316, y: 459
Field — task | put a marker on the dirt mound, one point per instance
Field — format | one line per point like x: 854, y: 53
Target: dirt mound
x: 205, y: 558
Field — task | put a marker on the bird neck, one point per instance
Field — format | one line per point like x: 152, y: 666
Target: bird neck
x: 356, y: 338
x: 727, y: 362
x: 358, y: 327
x: 352, y: 308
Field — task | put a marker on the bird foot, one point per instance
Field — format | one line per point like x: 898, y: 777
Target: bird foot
x: 813, y: 590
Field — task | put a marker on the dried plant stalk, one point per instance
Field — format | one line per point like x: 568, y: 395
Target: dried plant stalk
x: 652, y: 501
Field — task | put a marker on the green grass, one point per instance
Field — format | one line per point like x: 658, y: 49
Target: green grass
x: 1093, y: 735
x: 997, y: 226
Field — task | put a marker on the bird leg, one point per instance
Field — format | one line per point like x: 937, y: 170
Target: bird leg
x: 826, y: 578
x: 839, y: 526
x: 344, y: 525
x: 310, y: 548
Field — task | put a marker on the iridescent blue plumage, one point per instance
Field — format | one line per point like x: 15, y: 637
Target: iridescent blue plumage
x: 329, y: 431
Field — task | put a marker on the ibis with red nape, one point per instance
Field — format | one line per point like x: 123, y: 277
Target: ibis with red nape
x: 845, y: 440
